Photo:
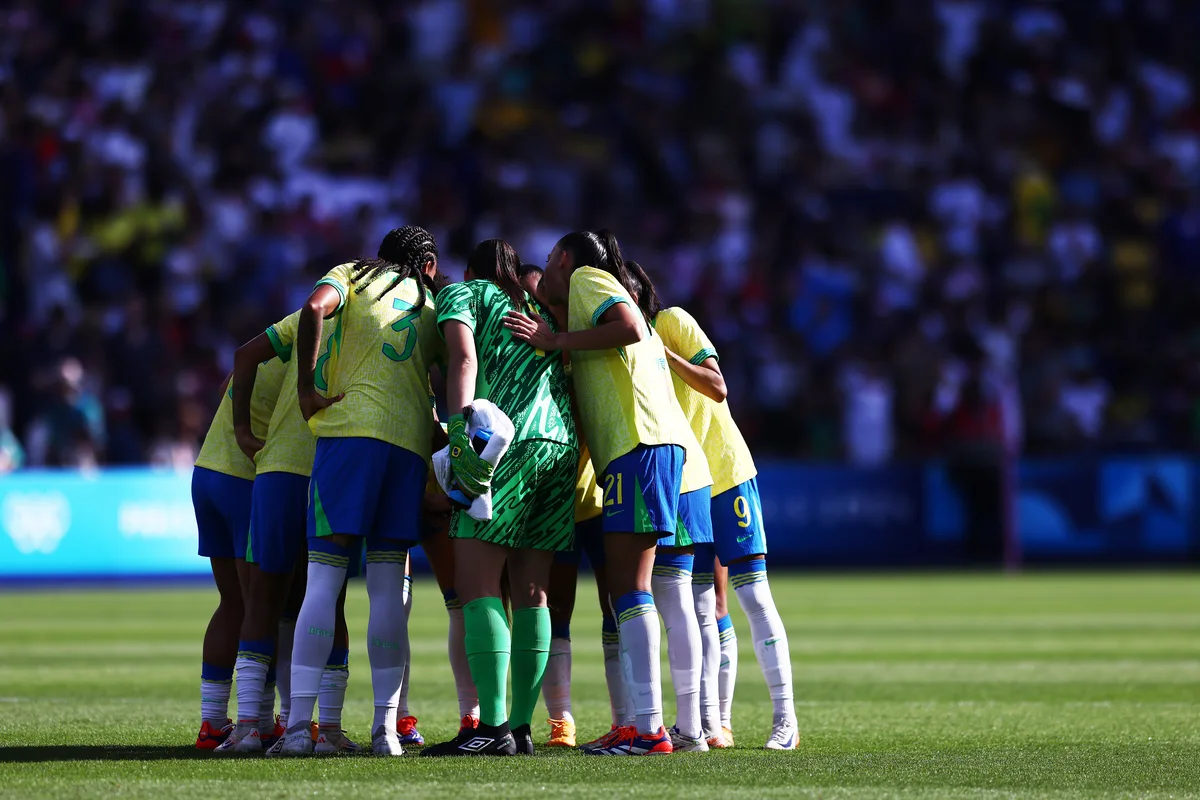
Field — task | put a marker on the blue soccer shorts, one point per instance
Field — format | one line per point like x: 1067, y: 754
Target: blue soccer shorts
x: 641, y: 491
x: 278, y: 521
x: 367, y: 488
x: 737, y: 523
x: 222, y: 504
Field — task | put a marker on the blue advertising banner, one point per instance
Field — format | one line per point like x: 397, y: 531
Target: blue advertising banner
x: 139, y: 523
x: 109, y: 524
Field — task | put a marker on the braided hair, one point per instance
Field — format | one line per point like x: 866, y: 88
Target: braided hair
x: 601, y: 250
x: 646, y: 295
x: 403, y: 252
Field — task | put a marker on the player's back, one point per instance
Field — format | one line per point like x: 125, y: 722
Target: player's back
x: 624, y: 394
x: 527, y: 384
x: 289, y: 445
x: 220, y: 451
x: 377, y: 352
x: 728, y: 455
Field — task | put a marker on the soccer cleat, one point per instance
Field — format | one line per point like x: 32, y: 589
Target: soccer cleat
x: 332, y: 742
x: 686, y: 744
x: 275, y: 749
x: 721, y: 740
x: 468, y: 723
x: 406, y: 729
x: 298, y: 740
x: 485, y: 740
x: 784, y: 736
x: 243, y: 739
x: 605, y: 739
x: 275, y: 735
x: 562, y: 733
x: 628, y: 742
x: 210, y: 738
x: 523, y: 736
x: 386, y: 743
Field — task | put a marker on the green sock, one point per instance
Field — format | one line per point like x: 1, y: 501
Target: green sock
x: 487, y: 643
x: 530, y: 652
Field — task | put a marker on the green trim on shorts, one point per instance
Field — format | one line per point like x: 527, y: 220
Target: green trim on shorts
x: 250, y: 545
x: 641, y: 516
x: 323, y: 526
x: 683, y: 537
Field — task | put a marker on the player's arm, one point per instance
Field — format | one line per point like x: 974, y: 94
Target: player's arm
x: 619, y: 326
x: 474, y: 475
x: 321, y: 304
x: 245, y: 371
x: 705, y: 377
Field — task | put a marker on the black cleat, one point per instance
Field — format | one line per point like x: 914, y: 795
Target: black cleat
x: 486, y: 740
x: 524, y: 739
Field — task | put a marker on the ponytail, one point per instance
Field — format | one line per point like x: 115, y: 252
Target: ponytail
x: 646, y: 294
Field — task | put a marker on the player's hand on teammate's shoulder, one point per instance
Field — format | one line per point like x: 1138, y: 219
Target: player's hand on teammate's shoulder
x: 534, y: 330
x: 312, y: 401
x: 247, y: 441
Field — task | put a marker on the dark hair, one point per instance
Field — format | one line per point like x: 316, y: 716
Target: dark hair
x: 598, y: 249
x: 403, y: 252
x: 528, y: 269
x: 495, y: 260
x: 646, y: 294
x: 435, y: 284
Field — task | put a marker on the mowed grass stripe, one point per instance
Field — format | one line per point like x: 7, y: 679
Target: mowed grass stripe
x: 935, y: 686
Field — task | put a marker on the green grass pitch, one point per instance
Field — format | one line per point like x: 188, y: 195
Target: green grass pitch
x: 935, y: 686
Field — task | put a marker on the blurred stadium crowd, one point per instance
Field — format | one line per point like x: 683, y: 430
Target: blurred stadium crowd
x: 907, y: 226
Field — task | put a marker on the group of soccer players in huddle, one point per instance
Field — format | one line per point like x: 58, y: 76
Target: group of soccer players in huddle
x: 317, y: 462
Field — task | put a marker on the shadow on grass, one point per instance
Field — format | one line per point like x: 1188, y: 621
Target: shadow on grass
x: 41, y: 755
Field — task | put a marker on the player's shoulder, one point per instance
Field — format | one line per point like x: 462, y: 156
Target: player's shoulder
x: 595, y: 279
x: 678, y: 317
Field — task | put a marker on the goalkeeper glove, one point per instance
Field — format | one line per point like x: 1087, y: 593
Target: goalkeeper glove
x: 474, y: 475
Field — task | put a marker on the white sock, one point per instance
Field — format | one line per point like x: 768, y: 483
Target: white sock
x: 251, y: 671
x: 727, y: 677
x: 215, y: 685
x: 770, y: 637
x: 332, y: 696
x: 314, y: 632
x: 387, y: 640
x: 556, y: 685
x: 640, y: 668
x: 468, y: 697
x: 705, y: 597
x: 402, y: 703
x: 673, y: 595
x: 283, y: 668
x: 618, y: 700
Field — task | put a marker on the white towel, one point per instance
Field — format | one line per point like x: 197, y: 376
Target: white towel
x: 485, y: 423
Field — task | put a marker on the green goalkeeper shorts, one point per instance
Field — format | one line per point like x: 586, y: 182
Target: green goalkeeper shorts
x: 533, y: 499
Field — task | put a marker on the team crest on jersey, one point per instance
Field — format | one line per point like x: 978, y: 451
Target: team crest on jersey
x: 35, y: 521
x: 476, y: 744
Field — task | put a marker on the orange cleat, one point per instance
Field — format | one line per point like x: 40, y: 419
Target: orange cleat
x: 562, y: 733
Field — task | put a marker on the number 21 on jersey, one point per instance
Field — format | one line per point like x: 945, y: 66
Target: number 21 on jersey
x: 611, y: 481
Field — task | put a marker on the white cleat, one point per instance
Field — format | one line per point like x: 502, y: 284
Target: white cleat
x: 686, y: 744
x: 784, y: 736
x: 334, y: 742
x: 385, y: 742
x: 243, y: 739
x: 298, y: 740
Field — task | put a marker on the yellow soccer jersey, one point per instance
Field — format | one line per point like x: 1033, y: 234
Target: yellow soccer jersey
x: 625, y: 395
x: 377, y: 351
x: 290, y: 445
x: 728, y: 456
x: 220, y: 452
x: 588, y: 497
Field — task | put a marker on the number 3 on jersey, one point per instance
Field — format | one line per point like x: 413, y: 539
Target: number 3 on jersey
x: 406, y: 324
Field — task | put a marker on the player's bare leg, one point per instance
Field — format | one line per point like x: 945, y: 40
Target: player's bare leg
x: 218, y: 655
